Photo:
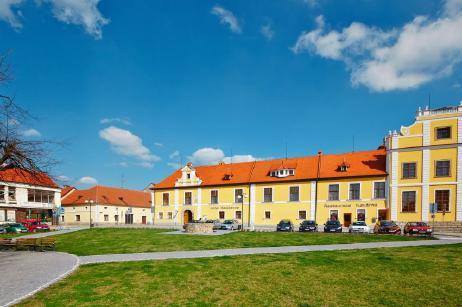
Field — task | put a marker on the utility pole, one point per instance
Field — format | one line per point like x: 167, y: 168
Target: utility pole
x: 316, y: 188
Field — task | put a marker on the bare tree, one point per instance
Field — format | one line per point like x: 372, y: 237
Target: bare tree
x: 16, y: 151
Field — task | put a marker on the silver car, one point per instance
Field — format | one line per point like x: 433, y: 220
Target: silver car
x: 230, y: 225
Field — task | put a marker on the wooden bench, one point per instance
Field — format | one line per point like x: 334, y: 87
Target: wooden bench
x: 36, y: 244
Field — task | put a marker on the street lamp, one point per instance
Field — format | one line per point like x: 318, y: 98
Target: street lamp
x: 90, y: 202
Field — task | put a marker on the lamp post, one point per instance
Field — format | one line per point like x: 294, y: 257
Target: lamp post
x: 90, y: 202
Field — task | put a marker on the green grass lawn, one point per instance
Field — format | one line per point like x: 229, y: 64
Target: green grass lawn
x: 412, y: 276
x: 116, y: 240
x: 13, y: 235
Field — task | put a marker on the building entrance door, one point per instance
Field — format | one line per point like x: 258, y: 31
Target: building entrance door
x: 346, y: 219
x: 187, y: 216
x: 128, y: 218
x: 382, y: 214
x: 143, y: 219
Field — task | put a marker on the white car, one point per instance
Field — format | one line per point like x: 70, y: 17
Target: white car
x: 359, y: 227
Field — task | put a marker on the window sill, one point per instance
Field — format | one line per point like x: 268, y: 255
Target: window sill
x: 409, y: 212
x: 448, y: 176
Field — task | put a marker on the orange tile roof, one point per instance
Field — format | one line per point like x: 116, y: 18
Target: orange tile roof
x: 109, y: 196
x: 26, y: 177
x: 365, y: 163
x: 65, y: 190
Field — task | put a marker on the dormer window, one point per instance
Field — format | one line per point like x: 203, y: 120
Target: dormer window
x: 227, y: 177
x: 281, y: 173
x: 343, y: 167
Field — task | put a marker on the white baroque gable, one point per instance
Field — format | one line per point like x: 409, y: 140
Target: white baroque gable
x: 188, y: 177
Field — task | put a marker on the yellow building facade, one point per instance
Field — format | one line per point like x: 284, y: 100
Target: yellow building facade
x: 425, y: 169
x: 415, y: 176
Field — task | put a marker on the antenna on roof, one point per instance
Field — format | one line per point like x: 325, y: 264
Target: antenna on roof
x: 429, y: 100
x: 286, y: 150
x: 231, y: 160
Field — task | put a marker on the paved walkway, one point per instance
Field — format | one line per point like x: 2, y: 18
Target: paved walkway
x: 50, y: 233
x: 25, y: 273
x: 258, y: 250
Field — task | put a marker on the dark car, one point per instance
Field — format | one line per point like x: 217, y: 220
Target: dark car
x: 333, y: 226
x: 387, y: 227
x: 308, y: 226
x: 285, y: 225
x: 418, y: 228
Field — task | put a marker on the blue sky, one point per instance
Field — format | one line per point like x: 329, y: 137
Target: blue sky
x: 137, y: 87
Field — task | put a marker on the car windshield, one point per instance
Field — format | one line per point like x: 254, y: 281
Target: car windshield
x: 333, y: 223
x: 388, y: 223
x: 360, y: 223
x: 419, y: 224
x: 308, y: 223
x: 16, y: 225
x: 284, y: 222
x: 228, y: 222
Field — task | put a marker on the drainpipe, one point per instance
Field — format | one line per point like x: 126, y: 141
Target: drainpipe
x: 316, y: 189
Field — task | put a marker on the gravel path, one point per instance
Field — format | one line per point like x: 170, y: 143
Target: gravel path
x: 255, y: 251
x: 25, y: 273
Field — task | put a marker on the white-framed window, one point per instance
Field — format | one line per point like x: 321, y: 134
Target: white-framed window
x: 355, y: 191
x: 294, y: 193
x: 165, y: 199
x: 379, y: 189
x: 333, y: 215
x: 267, y: 195
x: 40, y: 196
x: 77, y: 218
x: 214, y: 197
x: 2, y: 193
x: 408, y: 200
x: 188, y: 198
x: 442, y: 199
x: 11, y: 194
x: 170, y: 215
x: 334, y: 191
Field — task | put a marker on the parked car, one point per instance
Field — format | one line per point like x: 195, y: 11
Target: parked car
x: 216, y: 224
x: 387, y: 227
x: 420, y: 228
x: 230, y: 225
x: 308, y: 226
x: 285, y: 225
x: 35, y: 225
x: 2, y: 228
x: 16, y: 228
x: 333, y: 226
x: 359, y: 227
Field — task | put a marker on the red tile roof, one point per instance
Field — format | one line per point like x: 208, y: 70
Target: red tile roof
x: 65, y: 190
x: 109, y: 196
x: 365, y: 163
x: 25, y: 177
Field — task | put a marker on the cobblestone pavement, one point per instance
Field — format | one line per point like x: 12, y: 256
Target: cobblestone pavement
x: 258, y: 250
x: 24, y: 273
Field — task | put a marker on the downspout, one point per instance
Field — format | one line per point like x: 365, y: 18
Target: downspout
x: 316, y: 188
x: 250, y: 196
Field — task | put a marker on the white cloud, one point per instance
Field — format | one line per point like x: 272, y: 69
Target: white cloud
x: 115, y: 120
x: 267, y: 31
x: 146, y: 164
x: 207, y: 156
x: 174, y: 165
x: 422, y: 50
x: 174, y: 154
x: 88, y: 180
x: 126, y: 143
x: 80, y: 12
x: 159, y: 144
x: 9, y: 12
x: 31, y: 133
x: 63, y: 179
x: 311, y: 3
x: 227, y: 17
x: 123, y: 164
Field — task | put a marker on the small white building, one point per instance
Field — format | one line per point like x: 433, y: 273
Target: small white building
x: 26, y: 195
